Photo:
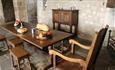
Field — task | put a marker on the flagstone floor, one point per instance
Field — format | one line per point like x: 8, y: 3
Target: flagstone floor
x: 41, y: 59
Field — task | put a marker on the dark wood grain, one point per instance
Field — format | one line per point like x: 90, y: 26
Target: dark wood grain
x: 111, y: 3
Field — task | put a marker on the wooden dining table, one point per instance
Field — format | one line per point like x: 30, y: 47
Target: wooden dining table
x: 41, y: 44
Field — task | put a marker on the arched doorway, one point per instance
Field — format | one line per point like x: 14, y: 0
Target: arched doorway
x: 8, y: 10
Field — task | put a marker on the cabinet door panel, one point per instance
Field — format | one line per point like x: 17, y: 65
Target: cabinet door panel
x: 56, y: 16
x: 66, y: 17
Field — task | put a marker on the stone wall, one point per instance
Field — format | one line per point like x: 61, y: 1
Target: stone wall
x: 91, y: 13
x: 20, y: 7
x: 32, y: 11
x: 1, y: 14
x: 26, y: 10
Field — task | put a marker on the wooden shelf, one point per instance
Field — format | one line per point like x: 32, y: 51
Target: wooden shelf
x: 61, y: 49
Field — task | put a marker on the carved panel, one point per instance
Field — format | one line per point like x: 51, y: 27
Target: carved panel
x: 111, y: 3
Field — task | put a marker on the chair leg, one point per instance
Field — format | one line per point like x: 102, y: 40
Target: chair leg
x: 12, y: 61
x: 29, y: 63
x: 7, y: 44
x: 3, y: 44
x: 18, y: 64
x: 23, y: 45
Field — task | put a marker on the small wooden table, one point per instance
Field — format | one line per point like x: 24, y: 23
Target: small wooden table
x: 56, y: 36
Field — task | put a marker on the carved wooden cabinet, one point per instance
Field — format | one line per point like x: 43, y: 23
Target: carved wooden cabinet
x: 111, y: 3
x: 65, y: 17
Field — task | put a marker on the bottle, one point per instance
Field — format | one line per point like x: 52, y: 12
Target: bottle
x: 21, y: 26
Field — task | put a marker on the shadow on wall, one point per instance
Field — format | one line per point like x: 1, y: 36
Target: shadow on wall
x: 32, y: 11
x: 85, y: 35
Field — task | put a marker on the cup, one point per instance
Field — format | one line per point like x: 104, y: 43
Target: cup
x: 33, y: 32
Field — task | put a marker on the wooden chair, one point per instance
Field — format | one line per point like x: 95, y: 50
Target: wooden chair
x: 19, y: 54
x: 76, y: 62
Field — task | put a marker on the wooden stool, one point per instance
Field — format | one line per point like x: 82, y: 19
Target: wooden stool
x: 18, y: 54
x: 15, y: 41
x: 3, y: 38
